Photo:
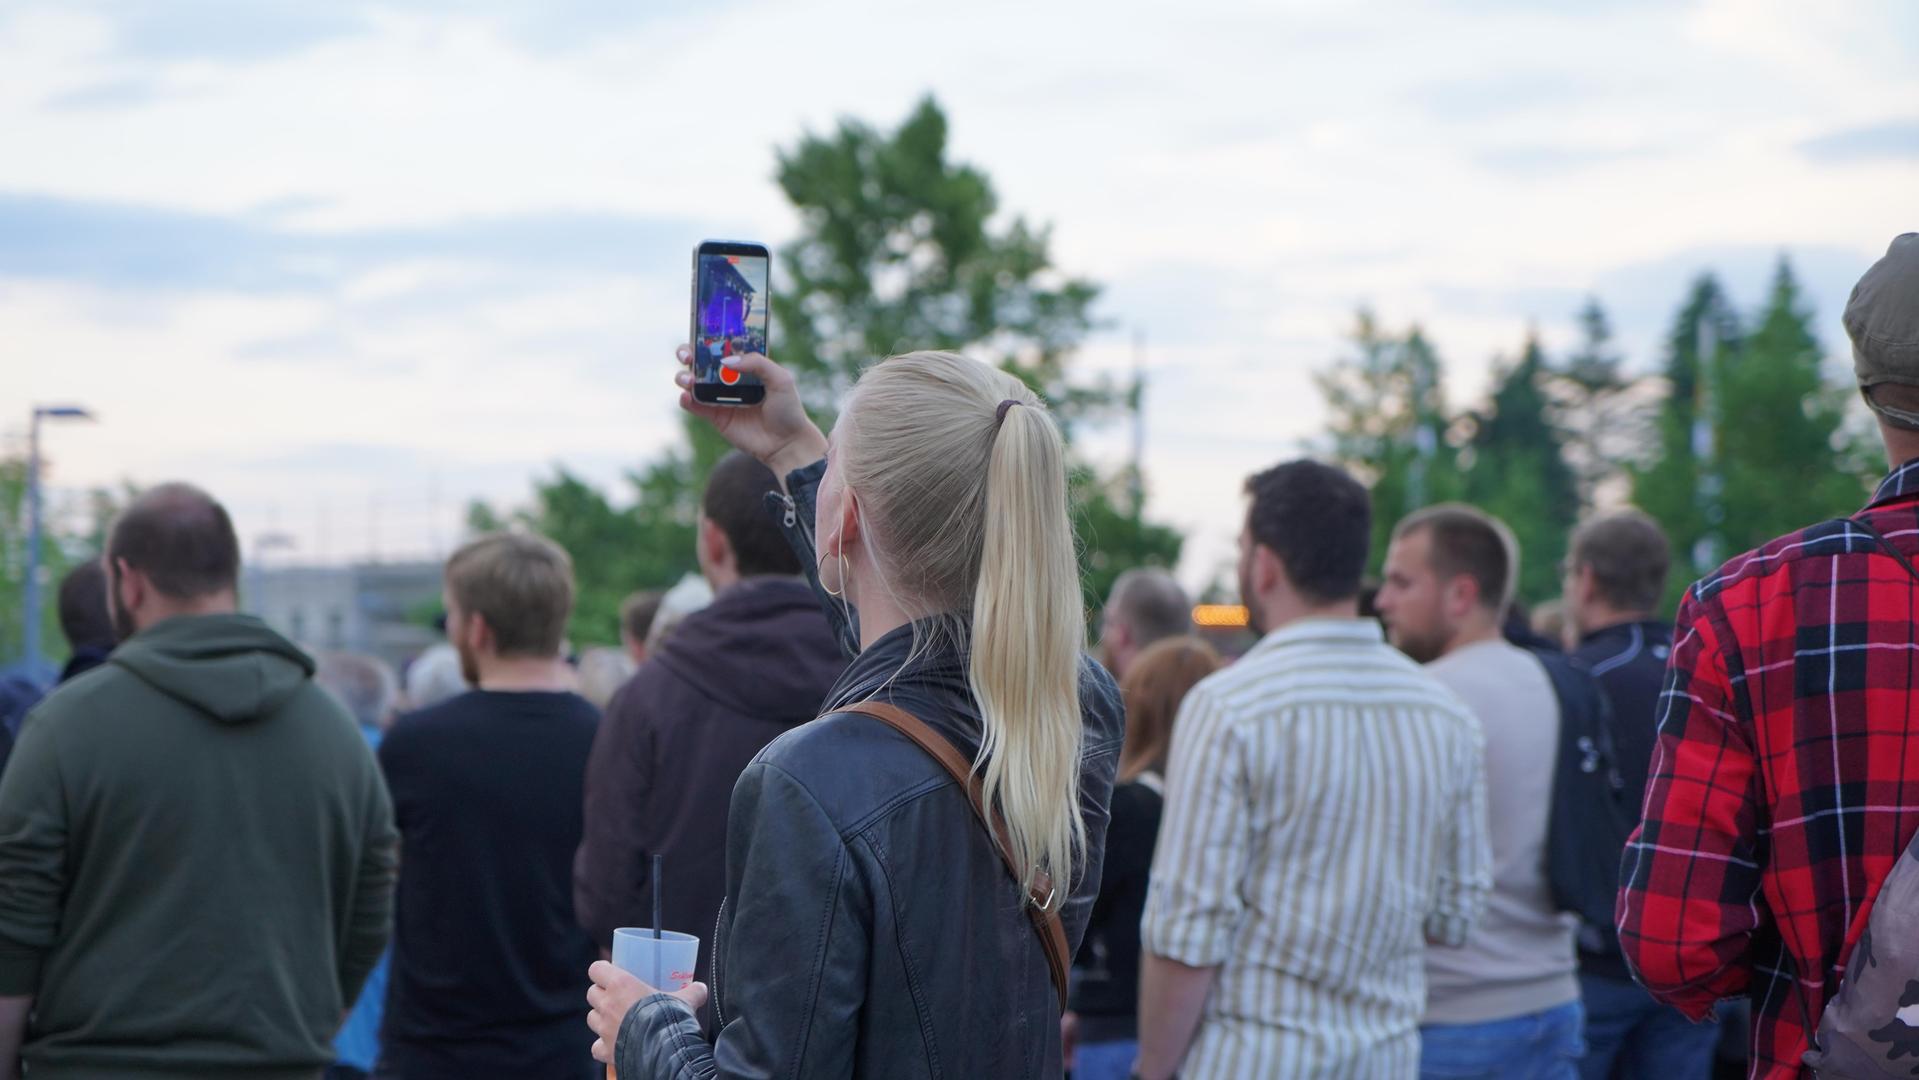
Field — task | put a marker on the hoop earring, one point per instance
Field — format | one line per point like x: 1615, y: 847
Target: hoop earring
x: 841, y: 595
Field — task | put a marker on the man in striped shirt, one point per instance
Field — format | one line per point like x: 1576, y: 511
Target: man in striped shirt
x: 1325, y: 820
x: 1507, y: 1004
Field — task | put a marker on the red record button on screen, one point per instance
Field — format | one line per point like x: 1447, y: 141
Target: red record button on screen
x: 728, y: 375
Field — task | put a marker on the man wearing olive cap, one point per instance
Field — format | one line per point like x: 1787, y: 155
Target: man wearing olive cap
x: 1786, y: 780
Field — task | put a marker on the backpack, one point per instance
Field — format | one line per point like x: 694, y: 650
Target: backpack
x: 1872, y: 1021
x: 1589, y: 821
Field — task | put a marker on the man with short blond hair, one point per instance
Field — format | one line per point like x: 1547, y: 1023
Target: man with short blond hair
x: 487, y: 792
x: 1505, y: 1003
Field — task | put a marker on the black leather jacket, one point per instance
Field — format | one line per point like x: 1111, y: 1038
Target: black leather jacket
x: 870, y: 929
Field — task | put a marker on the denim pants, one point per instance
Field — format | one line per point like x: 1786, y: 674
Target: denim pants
x: 1105, y: 1060
x: 1629, y: 1035
x: 1543, y: 1046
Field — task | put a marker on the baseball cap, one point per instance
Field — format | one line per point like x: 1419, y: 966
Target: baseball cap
x: 1882, y: 318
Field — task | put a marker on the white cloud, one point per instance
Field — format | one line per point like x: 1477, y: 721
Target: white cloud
x: 1243, y: 177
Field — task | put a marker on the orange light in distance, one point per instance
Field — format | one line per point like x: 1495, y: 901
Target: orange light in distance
x: 1221, y: 616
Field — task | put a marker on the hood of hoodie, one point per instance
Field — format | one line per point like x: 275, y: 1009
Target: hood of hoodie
x: 761, y: 648
x: 230, y: 667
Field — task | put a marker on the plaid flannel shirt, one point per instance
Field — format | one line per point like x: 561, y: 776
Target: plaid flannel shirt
x: 1785, y: 783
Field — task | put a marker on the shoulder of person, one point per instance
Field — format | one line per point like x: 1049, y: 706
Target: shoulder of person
x: 1100, y: 702
x: 418, y: 725
x: 1825, y: 539
x: 90, y: 688
x: 652, y: 685
x: 108, y: 695
x: 852, y: 765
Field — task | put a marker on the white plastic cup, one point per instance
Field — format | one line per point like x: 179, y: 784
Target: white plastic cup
x: 665, y: 963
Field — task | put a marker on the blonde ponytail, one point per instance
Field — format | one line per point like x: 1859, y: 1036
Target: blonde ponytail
x: 966, y: 513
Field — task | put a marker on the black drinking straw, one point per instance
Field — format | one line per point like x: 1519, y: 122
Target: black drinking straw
x: 658, y: 869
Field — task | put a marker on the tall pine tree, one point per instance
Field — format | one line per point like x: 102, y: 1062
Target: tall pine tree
x: 1519, y: 473
x: 1675, y: 486
x: 1751, y: 441
x: 1779, y: 451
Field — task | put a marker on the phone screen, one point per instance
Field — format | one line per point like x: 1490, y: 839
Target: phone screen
x: 729, y: 313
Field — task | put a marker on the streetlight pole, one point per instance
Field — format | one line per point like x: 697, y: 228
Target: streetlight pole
x: 31, y: 635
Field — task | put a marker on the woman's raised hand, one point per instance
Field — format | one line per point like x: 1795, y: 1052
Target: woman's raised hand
x: 777, y: 431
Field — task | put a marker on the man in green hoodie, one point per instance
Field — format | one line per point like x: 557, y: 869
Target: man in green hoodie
x: 196, y: 846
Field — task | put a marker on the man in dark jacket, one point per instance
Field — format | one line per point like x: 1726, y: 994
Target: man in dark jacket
x: 196, y: 848
x: 733, y: 676
x: 1615, y: 578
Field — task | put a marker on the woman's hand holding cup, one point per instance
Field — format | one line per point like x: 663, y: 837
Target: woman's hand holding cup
x: 613, y: 995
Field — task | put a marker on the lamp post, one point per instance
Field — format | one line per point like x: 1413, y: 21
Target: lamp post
x: 31, y: 636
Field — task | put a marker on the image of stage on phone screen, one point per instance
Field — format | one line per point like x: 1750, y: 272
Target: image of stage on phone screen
x: 731, y: 315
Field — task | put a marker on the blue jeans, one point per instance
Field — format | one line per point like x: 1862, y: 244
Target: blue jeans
x: 1543, y: 1046
x: 1105, y: 1060
x: 1629, y: 1035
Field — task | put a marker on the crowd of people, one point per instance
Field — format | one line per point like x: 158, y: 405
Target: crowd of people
x: 871, y: 763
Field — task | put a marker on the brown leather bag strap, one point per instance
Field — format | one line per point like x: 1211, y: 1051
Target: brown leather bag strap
x: 1042, y: 901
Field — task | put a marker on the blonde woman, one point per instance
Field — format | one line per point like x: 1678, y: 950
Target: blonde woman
x: 871, y: 928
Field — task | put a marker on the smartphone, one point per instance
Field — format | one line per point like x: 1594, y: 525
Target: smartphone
x: 731, y: 294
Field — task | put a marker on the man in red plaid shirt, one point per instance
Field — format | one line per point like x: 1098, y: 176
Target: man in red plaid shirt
x: 1786, y: 780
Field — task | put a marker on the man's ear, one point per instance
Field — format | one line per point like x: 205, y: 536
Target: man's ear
x: 1461, y: 597
x: 714, y: 546
x: 1585, y: 585
x: 479, y: 636
x: 129, y: 585
x: 1268, y: 571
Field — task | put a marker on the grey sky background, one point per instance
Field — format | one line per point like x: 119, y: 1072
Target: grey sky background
x: 349, y: 265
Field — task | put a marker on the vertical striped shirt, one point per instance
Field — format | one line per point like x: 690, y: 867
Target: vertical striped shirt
x: 1325, y: 819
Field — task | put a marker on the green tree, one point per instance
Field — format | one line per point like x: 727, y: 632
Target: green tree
x: 1599, y: 410
x: 1752, y: 437
x: 899, y: 248
x: 1114, y: 537
x: 1674, y: 485
x: 1518, y: 471
x: 1388, y: 423
x: 1779, y: 451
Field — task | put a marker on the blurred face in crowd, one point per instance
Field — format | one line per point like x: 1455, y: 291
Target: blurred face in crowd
x: 1413, y: 602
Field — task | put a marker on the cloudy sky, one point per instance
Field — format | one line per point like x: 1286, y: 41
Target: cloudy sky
x: 351, y: 264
